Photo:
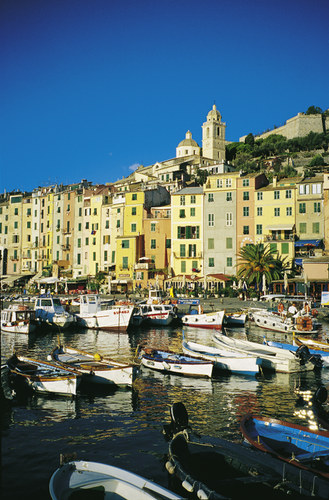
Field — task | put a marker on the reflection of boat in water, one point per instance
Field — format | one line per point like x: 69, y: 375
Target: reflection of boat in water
x: 215, y: 468
x: 81, y: 479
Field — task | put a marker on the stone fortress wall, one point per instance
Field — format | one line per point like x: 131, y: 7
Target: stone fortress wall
x: 298, y: 126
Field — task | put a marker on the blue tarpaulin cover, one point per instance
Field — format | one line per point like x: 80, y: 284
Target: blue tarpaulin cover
x: 304, y: 243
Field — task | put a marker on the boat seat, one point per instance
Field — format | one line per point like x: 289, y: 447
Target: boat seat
x: 95, y: 493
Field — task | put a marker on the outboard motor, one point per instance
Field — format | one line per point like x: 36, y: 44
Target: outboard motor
x: 320, y: 395
x: 179, y: 420
x: 304, y: 356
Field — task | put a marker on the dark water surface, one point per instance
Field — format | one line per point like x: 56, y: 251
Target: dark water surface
x: 123, y: 428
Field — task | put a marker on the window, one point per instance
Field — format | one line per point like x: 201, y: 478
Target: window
x: 245, y: 229
x: 107, y: 224
x: 304, y: 189
x: 229, y: 219
x: 182, y: 214
x: 245, y: 183
x: 288, y: 211
x: 211, y: 220
x: 259, y: 229
x: 78, y: 259
x: 288, y: 193
x: 211, y: 243
x: 87, y: 241
x: 87, y: 225
x: 124, y: 262
x: 316, y: 188
x: 16, y: 211
x: 316, y: 227
x: 211, y: 262
x: 192, y: 250
x: 125, y: 244
x: 245, y: 211
x: 182, y: 200
x: 153, y: 243
x: 193, y: 198
x: 229, y: 243
x: 259, y: 211
x: 302, y: 208
x: 118, y: 210
x: 153, y: 225
x: 229, y: 196
x: 94, y: 256
x: 210, y: 197
x: 133, y: 211
x: 183, y: 266
x: 219, y: 183
x: 15, y: 225
x: 302, y: 227
x: 182, y: 252
x: 194, y: 265
x: 134, y: 196
x: 118, y: 223
x: 259, y: 196
x: 133, y: 228
x: 113, y: 256
x: 105, y: 255
x: 277, y: 212
x: 245, y: 195
x: 228, y: 183
x: 273, y: 247
x: 284, y: 248
x: 168, y: 243
x: 229, y: 261
x: 79, y: 242
x: 276, y: 195
x: 317, y: 207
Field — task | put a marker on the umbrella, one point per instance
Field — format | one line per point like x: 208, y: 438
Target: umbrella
x: 285, y: 282
x: 244, y: 286
x: 264, y: 283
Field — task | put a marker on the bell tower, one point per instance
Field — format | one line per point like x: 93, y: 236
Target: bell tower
x: 213, y: 136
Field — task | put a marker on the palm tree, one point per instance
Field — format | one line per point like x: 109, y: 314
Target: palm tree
x: 256, y: 260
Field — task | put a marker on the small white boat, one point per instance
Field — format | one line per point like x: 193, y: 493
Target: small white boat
x: 171, y: 362
x: 50, y: 312
x: 211, y: 320
x: 43, y: 377
x: 18, y: 319
x: 93, y: 368
x: 223, y: 359
x: 157, y: 314
x: 271, y: 358
x: 283, y: 323
x: 97, y: 314
x: 234, y: 319
x: 105, y: 481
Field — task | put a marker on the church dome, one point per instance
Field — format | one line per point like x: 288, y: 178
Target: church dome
x: 188, y: 141
x: 214, y: 114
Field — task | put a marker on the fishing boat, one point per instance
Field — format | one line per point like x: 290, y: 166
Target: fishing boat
x: 274, y: 321
x: 156, y: 314
x: 235, y: 319
x: 223, y: 359
x: 211, y: 320
x: 324, y: 355
x: 171, y: 362
x: 295, y: 444
x: 270, y: 358
x: 92, y: 480
x: 18, y: 319
x: 314, y: 344
x: 218, y: 469
x: 93, y: 368
x: 41, y: 376
x: 50, y: 312
x: 103, y: 315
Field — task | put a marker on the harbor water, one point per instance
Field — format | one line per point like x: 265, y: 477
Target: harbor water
x: 124, y: 427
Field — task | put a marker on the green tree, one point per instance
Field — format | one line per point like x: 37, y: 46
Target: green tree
x: 314, y: 110
x: 317, y: 161
x: 245, y: 161
x: 201, y: 176
x: 250, y: 140
x: 256, y: 260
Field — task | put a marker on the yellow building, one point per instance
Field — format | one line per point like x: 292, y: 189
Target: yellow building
x: 26, y: 235
x: 95, y: 239
x: 187, y: 232
x: 275, y: 215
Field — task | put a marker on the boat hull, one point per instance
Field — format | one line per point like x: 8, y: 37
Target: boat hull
x: 117, y: 318
x: 176, y: 363
x: 276, y: 323
x: 213, y: 321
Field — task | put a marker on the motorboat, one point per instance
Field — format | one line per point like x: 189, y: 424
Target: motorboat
x: 18, y: 319
x: 81, y: 479
x: 270, y: 358
x: 156, y: 314
x: 314, y: 344
x: 235, y: 319
x: 93, y: 368
x: 209, y: 467
x: 41, y: 376
x: 279, y: 322
x: 298, y: 445
x: 103, y: 315
x: 50, y: 312
x: 171, y: 362
x: 324, y: 355
x: 212, y: 320
x: 223, y: 359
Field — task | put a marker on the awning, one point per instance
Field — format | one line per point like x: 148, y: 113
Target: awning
x: 280, y: 227
x: 305, y: 243
x: 120, y: 282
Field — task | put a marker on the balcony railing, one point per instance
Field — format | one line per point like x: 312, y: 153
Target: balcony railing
x: 275, y: 237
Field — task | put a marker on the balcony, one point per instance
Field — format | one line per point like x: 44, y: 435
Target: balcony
x: 144, y: 266
x: 197, y: 255
x: 278, y: 237
x: 66, y: 247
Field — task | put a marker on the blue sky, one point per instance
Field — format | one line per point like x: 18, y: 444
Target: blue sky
x: 91, y: 88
